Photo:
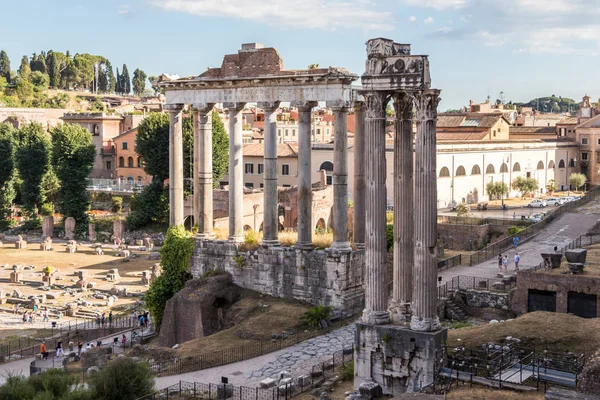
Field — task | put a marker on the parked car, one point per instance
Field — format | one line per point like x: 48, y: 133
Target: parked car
x: 556, y: 201
x: 537, y: 203
x: 571, y: 198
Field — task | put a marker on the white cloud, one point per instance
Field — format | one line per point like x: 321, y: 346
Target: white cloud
x: 490, y: 39
x: 123, y: 9
x: 437, y: 4
x: 319, y: 14
x: 428, y: 20
x: 412, y: 18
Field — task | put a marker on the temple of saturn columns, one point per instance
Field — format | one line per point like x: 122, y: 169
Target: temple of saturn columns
x: 397, y: 340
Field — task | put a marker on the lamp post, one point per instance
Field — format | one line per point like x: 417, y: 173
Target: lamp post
x: 505, y: 160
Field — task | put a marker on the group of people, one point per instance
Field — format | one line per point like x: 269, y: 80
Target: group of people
x: 61, y: 353
x: 31, y: 316
x: 503, y: 261
x: 101, y: 320
x: 142, y: 318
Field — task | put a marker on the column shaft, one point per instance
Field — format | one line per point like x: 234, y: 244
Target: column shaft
x: 305, y: 225
x: 271, y: 215
x: 359, y: 176
x: 376, y: 199
x: 424, y: 306
x: 340, y: 180
x: 175, y: 164
x: 403, y: 210
x: 203, y: 179
x: 236, y: 174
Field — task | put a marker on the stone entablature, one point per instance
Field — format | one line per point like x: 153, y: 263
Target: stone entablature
x: 323, y: 277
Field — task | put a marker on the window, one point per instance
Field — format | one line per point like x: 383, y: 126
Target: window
x: 584, y: 140
x: 598, y: 141
x: 140, y: 180
x: 121, y: 162
x: 249, y: 185
x: 249, y: 168
x: 540, y: 165
x: 327, y: 166
x: 130, y: 162
x: 139, y: 162
x: 262, y: 185
x: 261, y: 169
x: 597, y: 158
x: 287, y: 185
x: 285, y: 169
x: 584, y: 156
x: 124, y: 146
x: 551, y: 165
x: 318, y: 131
x: 287, y: 132
x: 517, y: 167
x: 444, y: 172
x: 294, y: 133
x: 503, y: 168
x: 278, y: 132
x: 561, y: 164
x: 494, y: 133
x: 460, y: 171
x: 476, y: 170
x: 108, y: 165
x: 490, y: 169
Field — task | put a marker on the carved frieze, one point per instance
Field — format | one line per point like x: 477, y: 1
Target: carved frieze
x: 386, y: 47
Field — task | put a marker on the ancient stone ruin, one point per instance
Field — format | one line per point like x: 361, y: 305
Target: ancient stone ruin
x: 47, y: 226
x: 20, y: 243
x: 70, y: 228
x: 46, y: 245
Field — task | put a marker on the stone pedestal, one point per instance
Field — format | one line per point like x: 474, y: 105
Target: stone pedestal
x: 46, y: 246
x: 400, y: 360
x: 70, y: 228
x: 16, y: 276
x: 552, y: 260
x: 21, y: 244
x: 48, y: 280
x: 113, y: 275
x: 92, y: 232
x: 146, y: 277
x: 47, y: 226
x: 119, y: 229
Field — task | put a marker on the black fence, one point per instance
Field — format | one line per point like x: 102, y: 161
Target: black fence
x: 239, y: 353
x: 452, y: 220
x: 302, y: 382
x: 449, y: 262
x: 500, y: 246
x: 84, y: 331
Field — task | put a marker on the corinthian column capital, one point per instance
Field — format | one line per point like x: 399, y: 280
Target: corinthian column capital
x: 339, y: 105
x: 376, y: 104
x: 403, y: 106
x: 173, y: 107
x: 426, y: 103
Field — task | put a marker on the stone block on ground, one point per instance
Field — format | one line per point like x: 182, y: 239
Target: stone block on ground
x: 268, y: 383
x: 370, y: 390
x: 576, y: 268
x: 576, y: 255
x: 552, y: 260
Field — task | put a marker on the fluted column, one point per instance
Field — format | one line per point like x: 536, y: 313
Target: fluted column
x: 271, y: 217
x: 175, y: 164
x: 305, y: 226
x: 359, y: 175
x: 424, y: 305
x: 203, y: 173
x: 340, y: 177
x: 376, y: 200
x: 236, y: 173
x: 403, y: 210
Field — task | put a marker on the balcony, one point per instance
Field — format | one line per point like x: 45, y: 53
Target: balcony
x: 107, y: 151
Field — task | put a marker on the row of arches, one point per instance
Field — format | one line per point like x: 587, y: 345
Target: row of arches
x: 490, y: 169
x: 130, y: 162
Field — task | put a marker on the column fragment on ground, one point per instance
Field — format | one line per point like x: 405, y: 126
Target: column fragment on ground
x: 175, y: 164
x: 424, y: 305
x: 340, y: 177
x: 203, y: 172
x: 271, y: 218
x: 403, y: 210
x: 376, y: 200
x: 359, y: 175
x: 305, y: 225
x: 236, y: 173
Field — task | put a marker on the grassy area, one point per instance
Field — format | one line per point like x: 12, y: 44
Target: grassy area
x: 22, y: 337
x: 287, y: 238
x: 555, y: 332
x: 479, y: 393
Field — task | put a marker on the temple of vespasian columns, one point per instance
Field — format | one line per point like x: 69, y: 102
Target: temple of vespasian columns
x: 397, y: 341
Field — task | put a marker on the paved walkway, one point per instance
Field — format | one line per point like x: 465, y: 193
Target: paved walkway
x: 559, y: 233
x: 294, y: 359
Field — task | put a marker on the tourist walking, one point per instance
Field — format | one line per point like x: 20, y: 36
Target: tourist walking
x: 110, y: 318
x: 123, y: 340
x: 515, y: 242
x: 46, y: 314
x: 80, y: 346
x: 44, y: 351
x: 59, y: 349
x: 500, y: 262
x: 517, y: 259
x: 505, y: 263
x: 103, y: 319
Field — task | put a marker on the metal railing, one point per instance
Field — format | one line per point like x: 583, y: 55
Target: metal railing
x: 301, y: 383
x: 453, y: 220
x: 581, y: 241
x: 463, y: 282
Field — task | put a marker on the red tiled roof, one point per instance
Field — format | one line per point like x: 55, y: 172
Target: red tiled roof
x: 473, y: 135
x: 283, y: 150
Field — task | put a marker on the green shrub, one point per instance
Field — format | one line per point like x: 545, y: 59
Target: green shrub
x: 16, y: 388
x: 513, y: 230
x: 176, y: 256
x: 459, y: 325
x: 151, y: 205
x: 53, y: 382
x: 389, y: 232
x: 122, y: 379
x: 117, y: 204
x: 347, y: 371
x: 315, y: 314
x: 32, y: 224
x: 47, y: 210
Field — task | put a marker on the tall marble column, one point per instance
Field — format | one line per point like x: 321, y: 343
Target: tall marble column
x: 175, y: 164
x: 403, y: 210
x: 271, y: 215
x: 203, y: 173
x: 375, y: 311
x: 424, y: 305
x: 340, y: 177
x: 305, y: 225
x: 359, y: 175
x: 236, y: 172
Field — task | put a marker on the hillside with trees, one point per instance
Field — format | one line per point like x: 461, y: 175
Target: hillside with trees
x: 551, y: 104
x: 28, y: 85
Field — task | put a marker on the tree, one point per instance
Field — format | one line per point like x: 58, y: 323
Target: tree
x: 33, y: 162
x: 102, y: 79
x: 38, y: 63
x: 4, y: 66
x: 7, y: 171
x: 577, y: 180
x: 220, y: 149
x: 125, y: 80
x: 139, y: 82
x: 73, y: 158
x: 40, y: 81
x: 25, y: 69
x: 122, y: 379
x: 462, y: 210
x: 551, y: 186
x: 525, y: 185
x: 153, y: 80
x: 495, y: 190
x: 118, y: 83
x: 56, y: 62
x: 176, y: 254
x: 152, y: 144
x: 110, y: 76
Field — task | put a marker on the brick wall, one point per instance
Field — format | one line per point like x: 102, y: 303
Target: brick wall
x: 469, y: 237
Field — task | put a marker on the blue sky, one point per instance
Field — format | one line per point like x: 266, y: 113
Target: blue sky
x: 525, y: 48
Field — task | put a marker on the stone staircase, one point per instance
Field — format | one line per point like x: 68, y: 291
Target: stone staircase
x: 454, y: 312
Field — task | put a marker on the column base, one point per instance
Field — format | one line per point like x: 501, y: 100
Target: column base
x: 341, y: 247
x: 400, y: 313
x: 270, y: 242
x: 360, y: 246
x: 425, y: 324
x: 205, y: 236
x: 375, y: 317
x: 236, y: 239
x: 304, y: 245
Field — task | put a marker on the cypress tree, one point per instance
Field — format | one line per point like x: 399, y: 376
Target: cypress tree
x: 4, y: 66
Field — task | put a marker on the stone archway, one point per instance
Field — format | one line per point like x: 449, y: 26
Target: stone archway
x: 247, y: 228
x: 321, y: 226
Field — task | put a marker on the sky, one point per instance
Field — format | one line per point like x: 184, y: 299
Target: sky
x: 523, y: 48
